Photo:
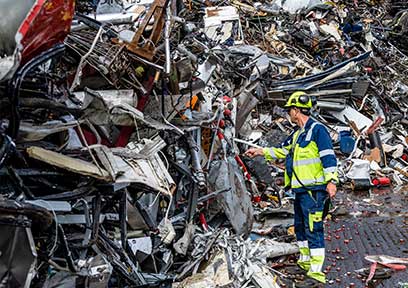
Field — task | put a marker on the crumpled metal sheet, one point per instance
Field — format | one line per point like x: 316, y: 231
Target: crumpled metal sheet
x: 240, y: 261
x: 360, y: 169
x: 30, y: 132
x: 151, y: 173
x: 236, y: 202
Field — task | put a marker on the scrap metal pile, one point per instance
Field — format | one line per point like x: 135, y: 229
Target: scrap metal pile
x: 122, y: 126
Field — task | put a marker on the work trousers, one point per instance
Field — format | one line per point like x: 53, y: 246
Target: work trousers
x: 309, y: 232
x: 309, y: 217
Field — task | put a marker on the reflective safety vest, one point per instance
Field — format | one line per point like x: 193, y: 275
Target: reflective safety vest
x: 309, y: 153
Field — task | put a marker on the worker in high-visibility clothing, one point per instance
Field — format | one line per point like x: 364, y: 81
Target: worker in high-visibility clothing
x: 311, y: 173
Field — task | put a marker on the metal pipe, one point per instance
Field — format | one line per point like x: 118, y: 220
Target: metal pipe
x: 158, y: 67
x: 247, y: 143
x: 328, y: 105
x: 167, y: 29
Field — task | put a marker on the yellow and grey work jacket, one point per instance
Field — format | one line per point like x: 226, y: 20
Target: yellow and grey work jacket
x: 309, y: 153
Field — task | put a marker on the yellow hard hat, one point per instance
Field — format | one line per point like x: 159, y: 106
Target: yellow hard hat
x: 299, y: 99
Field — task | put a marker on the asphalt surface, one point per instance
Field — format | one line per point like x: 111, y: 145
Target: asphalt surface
x: 373, y: 223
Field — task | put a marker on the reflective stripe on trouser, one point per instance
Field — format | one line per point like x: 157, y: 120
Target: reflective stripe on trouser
x: 304, y: 258
x: 316, y: 265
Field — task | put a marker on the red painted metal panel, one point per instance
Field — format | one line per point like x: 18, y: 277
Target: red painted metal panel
x: 47, y: 24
